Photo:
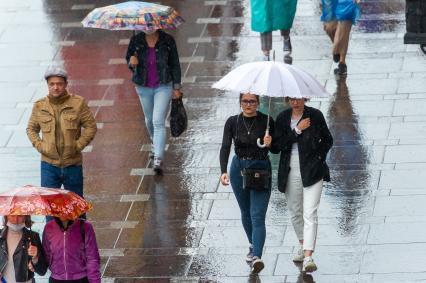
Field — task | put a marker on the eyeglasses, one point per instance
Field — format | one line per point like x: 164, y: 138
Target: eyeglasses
x: 249, y: 102
x: 295, y: 100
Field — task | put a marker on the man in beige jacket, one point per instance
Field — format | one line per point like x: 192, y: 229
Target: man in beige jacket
x: 60, y: 116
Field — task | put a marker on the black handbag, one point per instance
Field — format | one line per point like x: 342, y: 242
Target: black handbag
x: 178, y: 118
x: 256, y: 179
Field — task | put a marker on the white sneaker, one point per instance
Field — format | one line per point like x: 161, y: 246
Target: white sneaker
x: 157, y: 165
x: 265, y: 58
x: 257, y: 265
x: 309, y: 265
x: 299, y: 256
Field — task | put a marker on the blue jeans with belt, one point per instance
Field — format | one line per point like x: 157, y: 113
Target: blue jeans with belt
x: 253, y: 204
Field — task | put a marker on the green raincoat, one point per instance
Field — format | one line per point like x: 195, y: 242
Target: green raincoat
x: 270, y: 15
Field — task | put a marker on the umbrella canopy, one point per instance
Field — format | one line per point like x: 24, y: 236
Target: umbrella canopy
x: 29, y: 200
x: 273, y: 79
x: 133, y: 15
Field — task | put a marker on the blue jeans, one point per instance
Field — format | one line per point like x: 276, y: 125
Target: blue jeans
x: 70, y: 177
x: 253, y: 204
x: 155, y: 104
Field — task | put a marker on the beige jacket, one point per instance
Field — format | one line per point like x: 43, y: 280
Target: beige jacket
x: 61, y: 148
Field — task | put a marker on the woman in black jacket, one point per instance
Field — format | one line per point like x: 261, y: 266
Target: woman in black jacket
x: 153, y: 58
x: 21, y: 252
x: 303, y: 139
x: 244, y: 130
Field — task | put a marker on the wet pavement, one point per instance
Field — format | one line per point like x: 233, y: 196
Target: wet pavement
x: 184, y: 226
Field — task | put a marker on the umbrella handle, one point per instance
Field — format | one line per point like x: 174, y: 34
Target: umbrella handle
x: 259, y: 144
x: 258, y: 140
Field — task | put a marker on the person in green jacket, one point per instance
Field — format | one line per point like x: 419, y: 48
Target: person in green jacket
x: 270, y: 15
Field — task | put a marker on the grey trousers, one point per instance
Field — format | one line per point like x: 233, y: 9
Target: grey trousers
x: 266, y: 39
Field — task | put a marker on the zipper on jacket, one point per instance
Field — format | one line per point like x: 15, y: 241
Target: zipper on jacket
x: 65, y: 260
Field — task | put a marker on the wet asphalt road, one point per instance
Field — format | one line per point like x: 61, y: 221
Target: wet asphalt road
x: 184, y: 227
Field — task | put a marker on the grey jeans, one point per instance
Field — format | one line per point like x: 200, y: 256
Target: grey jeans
x: 266, y: 39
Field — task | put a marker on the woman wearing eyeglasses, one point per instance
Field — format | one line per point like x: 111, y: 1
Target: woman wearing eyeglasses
x: 250, y: 171
x: 303, y: 139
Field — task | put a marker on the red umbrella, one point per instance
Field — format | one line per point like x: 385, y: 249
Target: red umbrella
x: 30, y: 200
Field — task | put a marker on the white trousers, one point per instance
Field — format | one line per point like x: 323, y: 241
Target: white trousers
x: 303, y: 204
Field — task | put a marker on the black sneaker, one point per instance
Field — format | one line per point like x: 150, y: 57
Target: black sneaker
x: 257, y: 265
x: 287, y: 46
x: 288, y: 59
x: 336, y: 58
x: 341, y: 70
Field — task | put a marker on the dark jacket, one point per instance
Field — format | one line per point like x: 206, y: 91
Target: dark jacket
x: 314, y: 144
x: 20, y: 256
x: 168, y: 65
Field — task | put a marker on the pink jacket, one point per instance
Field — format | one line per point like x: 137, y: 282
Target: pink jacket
x: 68, y: 259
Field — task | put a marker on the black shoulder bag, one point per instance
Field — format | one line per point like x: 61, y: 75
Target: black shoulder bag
x: 255, y: 177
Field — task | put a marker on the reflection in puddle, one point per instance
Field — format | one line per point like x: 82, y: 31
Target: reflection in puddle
x: 349, y: 188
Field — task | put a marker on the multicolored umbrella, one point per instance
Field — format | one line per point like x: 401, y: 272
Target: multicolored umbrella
x: 30, y: 200
x: 133, y: 15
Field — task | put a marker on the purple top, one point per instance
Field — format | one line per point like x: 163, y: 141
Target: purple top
x: 152, y: 79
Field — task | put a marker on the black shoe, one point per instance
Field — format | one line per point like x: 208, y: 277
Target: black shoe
x: 336, y: 58
x: 287, y: 46
x: 341, y: 70
x: 288, y: 59
x: 257, y: 265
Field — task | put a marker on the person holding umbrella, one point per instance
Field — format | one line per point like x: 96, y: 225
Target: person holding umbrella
x: 69, y: 243
x: 303, y: 140
x: 153, y: 58
x: 72, y: 251
x: 253, y: 199
x: 270, y: 15
x: 21, y: 252
x: 273, y: 79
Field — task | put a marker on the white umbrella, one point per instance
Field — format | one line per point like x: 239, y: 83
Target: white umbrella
x: 273, y: 79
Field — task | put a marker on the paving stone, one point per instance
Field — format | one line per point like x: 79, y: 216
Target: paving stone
x: 399, y: 206
x: 393, y: 264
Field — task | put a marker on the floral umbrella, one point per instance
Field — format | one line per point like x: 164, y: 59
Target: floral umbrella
x: 133, y: 15
x: 30, y: 200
